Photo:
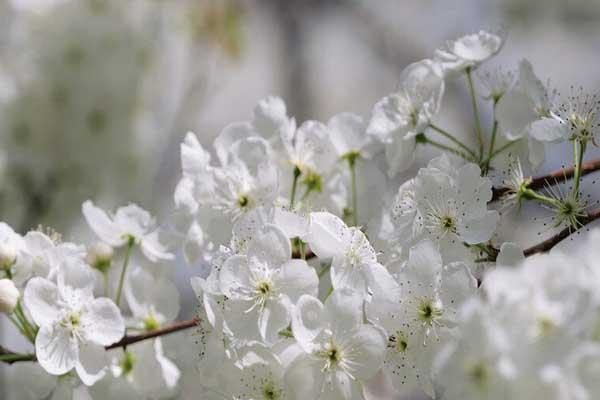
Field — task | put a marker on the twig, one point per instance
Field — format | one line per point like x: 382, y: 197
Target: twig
x: 552, y: 241
x: 10, y: 357
x: 175, y: 327
x: 549, y: 243
x: 552, y: 178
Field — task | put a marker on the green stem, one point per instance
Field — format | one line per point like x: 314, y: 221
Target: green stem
x: 578, y: 159
x: 352, y: 165
x: 324, y: 270
x: 529, y: 194
x: 492, y: 140
x: 30, y: 331
x: 441, y: 146
x: 130, y: 244
x: 501, y: 149
x: 451, y: 137
x: 297, y: 174
x: 302, y: 249
x: 16, y: 357
x: 475, y: 112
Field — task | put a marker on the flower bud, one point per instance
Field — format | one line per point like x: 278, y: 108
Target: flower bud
x: 100, y: 256
x: 8, y: 255
x: 9, y: 295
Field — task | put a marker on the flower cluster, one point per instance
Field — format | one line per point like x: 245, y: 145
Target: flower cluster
x: 322, y: 271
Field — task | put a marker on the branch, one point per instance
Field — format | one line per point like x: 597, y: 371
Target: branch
x: 552, y: 241
x: 552, y: 178
x: 549, y: 243
x: 10, y: 357
x: 175, y: 327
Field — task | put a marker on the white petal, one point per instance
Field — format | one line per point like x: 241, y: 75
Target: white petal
x: 368, y: 346
x: 170, y: 372
x: 327, y: 234
x: 537, y: 153
x: 549, y: 130
x: 296, y: 278
x: 305, y: 378
x: 381, y: 281
x: 510, y: 254
x: 425, y: 260
x: 194, y: 159
x: 144, y: 292
x: 41, y: 299
x: 347, y: 276
x: 458, y: 284
x: 400, y: 154
x: 515, y: 111
x: 308, y: 319
x: 387, y: 118
x: 344, y: 311
x: 75, y: 280
x: 272, y: 319
x: 153, y: 249
x: 228, y: 136
x: 479, y: 230
x: 269, y: 115
x: 103, y: 225
x: 271, y: 245
x: 531, y: 84
x: 103, y: 322
x: 134, y: 220
x: 56, y: 350
x: 92, y: 364
x: 234, y: 274
x: 347, y: 133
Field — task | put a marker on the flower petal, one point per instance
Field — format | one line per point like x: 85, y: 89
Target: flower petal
x: 103, y: 322
x: 296, y: 278
x: 92, y: 364
x: 56, y: 349
x: 102, y: 224
x: 41, y: 299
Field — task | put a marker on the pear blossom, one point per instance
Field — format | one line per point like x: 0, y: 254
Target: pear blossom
x: 262, y: 285
x: 353, y: 260
x: 348, y: 133
x: 153, y: 301
x: 452, y: 204
x: 468, y: 51
x: 130, y: 224
x: 528, y: 110
x: 74, y: 326
x: 398, y: 118
x: 420, y: 320
x: 340, y: 351
x: 309, y: 148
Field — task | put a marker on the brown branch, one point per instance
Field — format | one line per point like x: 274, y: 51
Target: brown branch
x: 10, y: 357
x: 175, y: 327
x: 552, y: 178
x: 549, y: 243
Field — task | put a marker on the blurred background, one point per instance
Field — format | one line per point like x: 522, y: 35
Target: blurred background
x: 96, y: 95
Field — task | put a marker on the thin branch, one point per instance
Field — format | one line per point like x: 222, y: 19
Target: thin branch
x: 552, y: 241
x: 552, y: 178
x: 549, y: 243
x: 175, y: 327
x: 10, y: 357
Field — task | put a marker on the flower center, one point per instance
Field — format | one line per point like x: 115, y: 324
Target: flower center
x: 429, y: 312
x: 398, y: 342
x: 243, y: 201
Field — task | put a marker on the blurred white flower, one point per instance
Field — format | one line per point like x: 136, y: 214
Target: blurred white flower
x: 129, y: 224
